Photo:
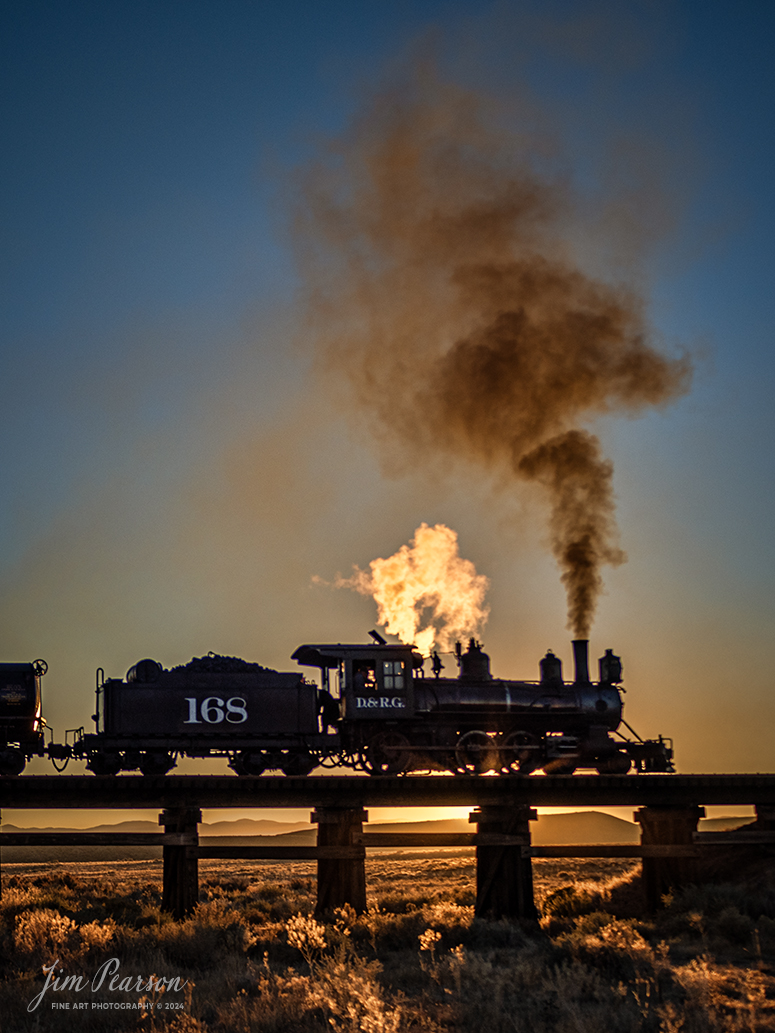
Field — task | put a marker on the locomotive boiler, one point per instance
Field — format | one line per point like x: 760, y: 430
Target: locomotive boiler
x: 373, y: 708
x: 394, y: 718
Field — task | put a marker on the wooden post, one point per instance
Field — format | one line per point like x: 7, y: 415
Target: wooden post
x: 340, y: 880
x: 667, y: 826
x: 765, y: 816
x: 180, y: 887
x: 504, y: 874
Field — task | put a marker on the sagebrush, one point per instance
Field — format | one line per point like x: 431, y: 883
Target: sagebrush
x: 253, y: 958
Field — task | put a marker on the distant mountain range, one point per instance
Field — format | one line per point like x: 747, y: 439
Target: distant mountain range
x: 558, y: 829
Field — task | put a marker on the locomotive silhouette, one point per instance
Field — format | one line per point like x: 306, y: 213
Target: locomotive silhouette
x: 375, y: 709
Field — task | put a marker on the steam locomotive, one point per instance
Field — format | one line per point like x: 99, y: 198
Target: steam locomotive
x: 373, y: 709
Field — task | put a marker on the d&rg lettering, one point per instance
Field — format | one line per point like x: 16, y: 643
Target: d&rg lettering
x: 380, y: 703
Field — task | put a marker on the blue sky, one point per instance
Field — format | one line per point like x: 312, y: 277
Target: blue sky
x: 174, y: 472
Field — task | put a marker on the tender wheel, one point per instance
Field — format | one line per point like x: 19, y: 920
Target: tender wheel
x: 249, y: 762
x: 298, y: 764
x: 520, y: 751
x: 476, y: 753
x: 388, y: 753
x: 156, y: 763
x: 104, y: 763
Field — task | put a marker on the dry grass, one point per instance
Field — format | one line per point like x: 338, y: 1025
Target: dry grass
x: 256, y: 960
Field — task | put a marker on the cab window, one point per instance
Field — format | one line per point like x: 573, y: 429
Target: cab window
x: 393, y: 674
x: 363, y: 678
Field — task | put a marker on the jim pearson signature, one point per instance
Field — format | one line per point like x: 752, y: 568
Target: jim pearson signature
x: 109, y: 975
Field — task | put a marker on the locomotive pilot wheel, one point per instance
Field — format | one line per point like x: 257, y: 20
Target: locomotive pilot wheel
x: 618, y: 763
x: 388, y: 753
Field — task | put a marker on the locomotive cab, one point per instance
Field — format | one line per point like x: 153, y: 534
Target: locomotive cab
x: 372, y: 682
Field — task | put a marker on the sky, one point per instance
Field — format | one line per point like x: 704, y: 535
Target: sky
x: 184, y: 471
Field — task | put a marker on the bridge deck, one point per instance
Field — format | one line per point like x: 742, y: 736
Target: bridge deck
x: 216, y: 791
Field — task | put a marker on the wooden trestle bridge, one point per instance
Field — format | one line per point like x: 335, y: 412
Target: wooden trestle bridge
x: 668, y: 808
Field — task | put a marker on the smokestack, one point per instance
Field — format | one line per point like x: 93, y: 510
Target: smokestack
x: 581, y: 660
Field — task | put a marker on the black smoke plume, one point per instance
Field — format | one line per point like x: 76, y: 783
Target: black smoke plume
x: 444, y: 292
